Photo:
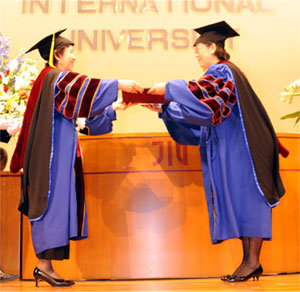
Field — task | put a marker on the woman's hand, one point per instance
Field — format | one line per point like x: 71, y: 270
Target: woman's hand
x: 130, y: 86
x: 80, y: 122
x: 158, y: 88
x: 156, y: 107
x: 5, y: 124
x: 12, y: 126
x: 15, y: 128
x: 119, y: 104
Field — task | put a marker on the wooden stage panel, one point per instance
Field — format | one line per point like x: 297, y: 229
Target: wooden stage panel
x: 110, y: 153
x: 292, y: 143
x: 10, y: 186
x: 148, y: 218
x: 285, y: 246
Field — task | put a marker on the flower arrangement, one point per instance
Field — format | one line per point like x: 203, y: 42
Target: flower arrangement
x: 287, y: 96
x: 16, y: 79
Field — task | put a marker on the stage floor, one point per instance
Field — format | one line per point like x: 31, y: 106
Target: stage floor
x: 289, y: 282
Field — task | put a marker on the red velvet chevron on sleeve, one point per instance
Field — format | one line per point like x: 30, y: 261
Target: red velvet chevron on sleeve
x: 74, y: 88
x: 216, y: 94
x: 88, y: 97
x: 62, y: 85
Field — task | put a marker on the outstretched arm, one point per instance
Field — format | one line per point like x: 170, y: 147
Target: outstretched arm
x: 206, y: 102
x: 77, y: 95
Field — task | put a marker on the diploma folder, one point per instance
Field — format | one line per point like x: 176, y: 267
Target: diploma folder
x: 144, y: 97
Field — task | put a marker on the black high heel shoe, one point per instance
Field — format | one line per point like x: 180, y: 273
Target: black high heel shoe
x: 255, y: 275
x: 40, y: 275
x: 225, y: 278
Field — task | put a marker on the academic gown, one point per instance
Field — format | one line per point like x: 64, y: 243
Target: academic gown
x: 49, y: 195
x: 239, y: 151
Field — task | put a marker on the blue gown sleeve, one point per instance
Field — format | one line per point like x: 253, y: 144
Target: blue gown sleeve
x: 181, y: 131
x: 100, y: 124
x: 205, y: 102
x: 188, y: 109
x: 77, y: 95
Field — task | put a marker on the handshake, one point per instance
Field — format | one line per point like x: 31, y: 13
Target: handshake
x: 133, y: 93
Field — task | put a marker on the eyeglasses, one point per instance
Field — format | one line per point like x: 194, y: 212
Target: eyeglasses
x: 199, y: 48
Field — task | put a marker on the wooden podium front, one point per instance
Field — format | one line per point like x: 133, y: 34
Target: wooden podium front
x: 147, y: 214
x: 10, y: 223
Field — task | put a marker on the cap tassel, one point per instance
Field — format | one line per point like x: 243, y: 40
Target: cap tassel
x: 52, y: 51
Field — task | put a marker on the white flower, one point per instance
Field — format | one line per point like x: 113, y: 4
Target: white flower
x: 81, y: 123
x: 13, y: 65
x: 291, y: 91
x: 16, y: 78
x: 5, y: 79
x: 286, y: 97
x: 2, y: 106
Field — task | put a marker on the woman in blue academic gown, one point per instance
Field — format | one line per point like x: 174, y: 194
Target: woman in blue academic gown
x: 48, y: 150
x: 239, y: 149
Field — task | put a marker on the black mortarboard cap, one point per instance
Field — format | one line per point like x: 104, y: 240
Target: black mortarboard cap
x: 44, y: 45
x: 217, y: 33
